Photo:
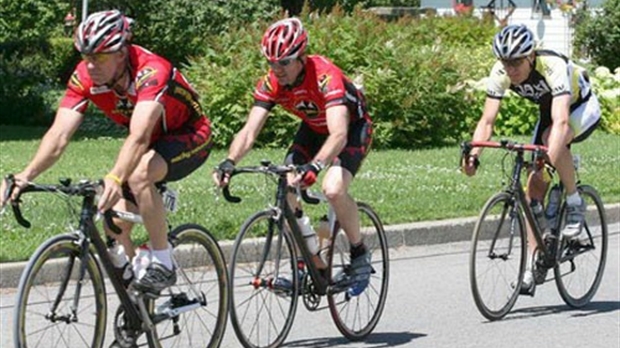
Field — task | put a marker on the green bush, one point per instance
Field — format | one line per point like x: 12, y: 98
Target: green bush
x: 407, y: 67
x: 598, y: 36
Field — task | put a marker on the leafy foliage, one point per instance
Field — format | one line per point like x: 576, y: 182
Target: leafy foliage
x: 599, y: 35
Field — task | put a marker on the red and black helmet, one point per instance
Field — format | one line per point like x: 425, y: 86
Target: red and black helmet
x: 284, y: 39
x: 102, y: 32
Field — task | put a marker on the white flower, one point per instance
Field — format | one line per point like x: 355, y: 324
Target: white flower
x: 602, y: 72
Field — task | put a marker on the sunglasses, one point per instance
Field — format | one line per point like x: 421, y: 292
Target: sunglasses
x: 281, y: 63
x: 97, y: 58
x: 512, y: 63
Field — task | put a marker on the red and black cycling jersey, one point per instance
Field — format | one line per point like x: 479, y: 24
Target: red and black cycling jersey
x: 152, y: 78
x: 323, y: 86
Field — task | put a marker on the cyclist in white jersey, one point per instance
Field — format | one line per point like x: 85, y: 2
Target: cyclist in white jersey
x: 569, y: 113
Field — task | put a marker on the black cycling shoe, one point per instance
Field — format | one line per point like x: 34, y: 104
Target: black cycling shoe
x: 156, y: 278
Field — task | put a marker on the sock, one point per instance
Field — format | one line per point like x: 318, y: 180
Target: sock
x: 162, y: 257
x: 358, y: 250
x: 573, y: 199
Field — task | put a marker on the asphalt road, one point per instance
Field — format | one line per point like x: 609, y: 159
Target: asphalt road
x: 430, y: 305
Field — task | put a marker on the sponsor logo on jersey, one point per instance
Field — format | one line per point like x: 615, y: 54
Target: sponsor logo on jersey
x: 533, y: 91
x: 99, y: 89
x: 145, y: 78
x: 310, y: 109
x: 75, y: 81
x: 324, y: 81
x: 266, y: 85
x: 123, y: 107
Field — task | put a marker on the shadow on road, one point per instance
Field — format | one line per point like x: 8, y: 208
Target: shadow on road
x: 592, y: 308
x: 379, y: 339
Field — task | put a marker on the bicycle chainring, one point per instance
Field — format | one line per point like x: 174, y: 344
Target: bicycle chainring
x: 309, y: 295
x: 125, y: 337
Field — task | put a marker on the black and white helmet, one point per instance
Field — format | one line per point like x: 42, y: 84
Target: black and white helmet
x: 513, y: 41
x: 103, y: 32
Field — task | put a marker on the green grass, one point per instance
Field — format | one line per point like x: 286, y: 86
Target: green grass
x: 402, y: 186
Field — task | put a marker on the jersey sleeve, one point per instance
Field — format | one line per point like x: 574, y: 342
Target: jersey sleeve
x: 152, y: 80
x: 331, y: 83
x: 498, y: 82
x: 76, y: 94
x: 557, y: 73
x: 265, y: 92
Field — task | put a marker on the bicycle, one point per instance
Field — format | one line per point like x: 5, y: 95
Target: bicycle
x: 266, y: 251
x: 498, y: 250
x: 62, y: 299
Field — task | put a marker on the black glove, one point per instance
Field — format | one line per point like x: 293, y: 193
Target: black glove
x: 225, y: 168
x: 309, y: 171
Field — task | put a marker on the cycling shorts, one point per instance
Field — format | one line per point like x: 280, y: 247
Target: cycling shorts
x: 307, y: 144
x: 583, y: 120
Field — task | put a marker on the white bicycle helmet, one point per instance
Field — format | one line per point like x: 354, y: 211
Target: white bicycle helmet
x: 103, y: 32
x: 284, y: 39
x: 513, y: 41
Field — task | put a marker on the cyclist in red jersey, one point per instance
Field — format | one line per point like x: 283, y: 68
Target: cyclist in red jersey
x: 335, y: 133
x: 169, y: 136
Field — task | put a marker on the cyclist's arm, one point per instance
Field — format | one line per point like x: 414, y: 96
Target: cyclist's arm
x: 144, y: 118
x: 244, y: 140
x: 338, y: 126
x: 54, y: 143
x: 484, y: 129
x: 561, y: 133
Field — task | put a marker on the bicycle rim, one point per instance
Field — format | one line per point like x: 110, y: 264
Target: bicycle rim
x: 51, y: 276
x: 260, y: 316
x: 357, y: 316
x: 497, y: 258
x: 201, y: 288
x: 580, y: 275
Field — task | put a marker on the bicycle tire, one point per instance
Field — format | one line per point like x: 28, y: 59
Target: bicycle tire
x: 201, y: 275
x: 260, y: 316
x: 356, y: 317
x: 495, y: 278
x: 579, y: 277
x: 51, y: 275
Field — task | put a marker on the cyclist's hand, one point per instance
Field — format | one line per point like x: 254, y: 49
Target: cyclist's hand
x: 221, y: 174
x: 112, y: 192
x: 470, y: 164
x: 307, y: 174
x: 7, y: 193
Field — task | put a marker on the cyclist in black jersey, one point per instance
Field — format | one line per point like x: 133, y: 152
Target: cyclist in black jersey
x: 569, y: 113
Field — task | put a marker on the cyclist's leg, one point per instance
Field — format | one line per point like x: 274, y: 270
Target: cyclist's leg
x: 583, y: 121
x: 172, y: 157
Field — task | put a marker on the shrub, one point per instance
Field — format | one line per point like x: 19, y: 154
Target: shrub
x: 599, y: 35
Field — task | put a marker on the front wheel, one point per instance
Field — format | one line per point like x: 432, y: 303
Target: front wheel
x: 61, y: 299
x: 263, y: 289
x: 357, y: 316
x: 581, y: 261
x: 498, y: 255
x: 200, y: 295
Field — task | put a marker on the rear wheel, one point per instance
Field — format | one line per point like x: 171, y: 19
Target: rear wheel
x: 357, y: 316
x: 262, y: 313
x: 498, y: 255
x: 579, y: 270
x: 46, y: 314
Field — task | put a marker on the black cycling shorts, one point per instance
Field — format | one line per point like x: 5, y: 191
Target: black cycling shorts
x: 307, y: 144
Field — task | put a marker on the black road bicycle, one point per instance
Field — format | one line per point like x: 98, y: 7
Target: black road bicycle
x: 498, y: 247
x: 62, y: 300
x: 266, y: 252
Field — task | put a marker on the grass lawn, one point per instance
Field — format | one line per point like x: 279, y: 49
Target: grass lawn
x: 402, y: 186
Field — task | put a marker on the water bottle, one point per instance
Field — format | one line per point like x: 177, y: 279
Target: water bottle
x: 553, y: 205
x: 539, y: 214
x: 120, y: 261
x: 309, y: 235
x: 141, y: 260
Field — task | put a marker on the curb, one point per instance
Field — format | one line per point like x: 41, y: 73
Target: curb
x: 411, y: 234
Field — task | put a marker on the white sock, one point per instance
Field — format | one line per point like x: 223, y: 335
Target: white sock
x: 573, y: 199
x: 162, y: 257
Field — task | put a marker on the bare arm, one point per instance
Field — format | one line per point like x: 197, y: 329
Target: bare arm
x: 484, y: 131
x: 338, y: 126
x: 145, y: 116
x: 244, y: 140
x: 561, y: 133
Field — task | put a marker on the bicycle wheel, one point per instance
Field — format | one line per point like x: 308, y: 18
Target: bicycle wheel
x: 50, y: 312
x: 261, y: 314
x: 581, y: 261
x: 193, y: 312
x: 498, y: 255
x: 357, y: 316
